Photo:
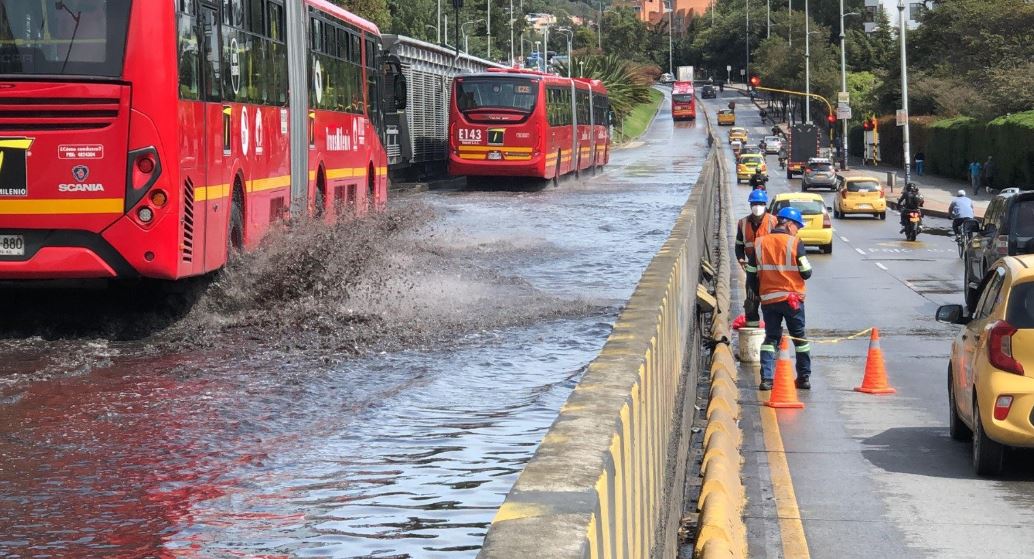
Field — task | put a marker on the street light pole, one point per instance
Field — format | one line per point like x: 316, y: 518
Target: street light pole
x: 843, y: 88
x: 768, y: 11
x: 512, y: 21
x: 599, y: 28
x: 746, y: 71
x: 438, y: 22
x: 671, y: 27
x: 807, y: 63
x: 904, y: 91
x: 570, y: 35
x: 488, y: 27
x: 789, y: 25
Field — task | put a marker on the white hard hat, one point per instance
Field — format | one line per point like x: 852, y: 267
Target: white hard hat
x: 962, y: 192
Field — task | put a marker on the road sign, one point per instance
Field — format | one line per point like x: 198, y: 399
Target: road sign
x: 743, y: 72
x: 843, y: 98
x: 901, y: 117
x: 728, y: 68
x: 844, y: 111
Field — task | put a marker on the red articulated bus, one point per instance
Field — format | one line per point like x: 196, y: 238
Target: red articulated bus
x: 683, y: 105
x: 523, y: 123
x: 143, y: 138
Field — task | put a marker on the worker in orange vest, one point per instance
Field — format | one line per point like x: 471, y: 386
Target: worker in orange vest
x: 758, y: 224
x: 782, y: 267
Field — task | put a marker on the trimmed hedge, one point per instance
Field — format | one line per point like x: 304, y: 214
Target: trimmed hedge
x: 950, y: 144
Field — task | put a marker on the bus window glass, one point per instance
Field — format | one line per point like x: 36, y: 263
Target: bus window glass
x: 503, y: 93
x: 682, y: 98
x: 74, y: 37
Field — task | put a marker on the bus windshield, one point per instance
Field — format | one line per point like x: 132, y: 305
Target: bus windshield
x: 496, y: 93
x: 64, y: 37
x: 682, y: 98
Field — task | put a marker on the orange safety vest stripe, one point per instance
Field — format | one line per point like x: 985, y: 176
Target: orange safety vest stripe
x: 778, y: 267
x: 768, y: 222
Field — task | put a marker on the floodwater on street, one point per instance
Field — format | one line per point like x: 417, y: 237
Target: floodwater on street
x: 119, y: 447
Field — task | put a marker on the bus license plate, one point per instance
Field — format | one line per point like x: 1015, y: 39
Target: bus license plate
x: 495, y: 155
x: 12, y: 245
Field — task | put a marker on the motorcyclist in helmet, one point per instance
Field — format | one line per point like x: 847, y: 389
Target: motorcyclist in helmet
x: 758, y: 180
x: 782, y: 157
x: 910, y: 199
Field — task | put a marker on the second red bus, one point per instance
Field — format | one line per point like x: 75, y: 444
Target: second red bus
x: 683, y: 104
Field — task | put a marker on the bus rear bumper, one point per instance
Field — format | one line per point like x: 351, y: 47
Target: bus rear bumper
x: 59, y: 254
x: 483, y: 168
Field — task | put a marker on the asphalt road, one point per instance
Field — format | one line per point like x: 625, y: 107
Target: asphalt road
x: 874, y: 476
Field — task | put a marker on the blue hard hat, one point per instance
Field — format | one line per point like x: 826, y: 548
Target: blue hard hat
x: 791, y: 213
x: 758, y: 197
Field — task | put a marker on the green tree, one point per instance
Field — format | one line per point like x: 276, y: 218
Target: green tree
x: 373, y: 10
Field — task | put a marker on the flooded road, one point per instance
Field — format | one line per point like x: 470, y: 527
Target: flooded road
x: 128, y: 449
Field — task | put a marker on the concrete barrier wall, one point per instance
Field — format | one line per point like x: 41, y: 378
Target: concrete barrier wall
x: 602, y: 483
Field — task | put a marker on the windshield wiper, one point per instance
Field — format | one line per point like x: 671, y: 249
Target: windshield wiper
x: 59, y: 5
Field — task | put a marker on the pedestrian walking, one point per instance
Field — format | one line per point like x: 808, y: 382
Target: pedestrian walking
x: 989, y: 174
x: 782, y: 268
x: 975, y: 170
x: 920, y: 159
x: 749, y: 229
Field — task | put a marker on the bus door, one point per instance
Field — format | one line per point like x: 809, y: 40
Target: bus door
x: 217, y: 138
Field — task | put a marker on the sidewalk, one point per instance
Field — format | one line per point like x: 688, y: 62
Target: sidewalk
x: 938, y: 191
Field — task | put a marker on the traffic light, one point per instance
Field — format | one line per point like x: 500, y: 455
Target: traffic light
x: 755, y: 81
x: 868, y: 124
x: 831, y: 119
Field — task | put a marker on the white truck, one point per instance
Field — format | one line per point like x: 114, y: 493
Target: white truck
x: 685, y: 74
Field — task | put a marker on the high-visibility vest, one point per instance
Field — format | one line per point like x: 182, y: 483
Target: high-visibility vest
x: 779, y: 272
x: 768, y: 222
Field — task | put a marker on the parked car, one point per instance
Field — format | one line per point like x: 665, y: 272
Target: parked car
x: 772, y: 144
x: 860, y: 195
x: 819, y: 173
x: 1007, y: 229
x: 818, y: 229
x: 726, y: 117
x: 990, y: 391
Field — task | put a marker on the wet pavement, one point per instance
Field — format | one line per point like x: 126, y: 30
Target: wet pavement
x: 877, y: 476
x: 125, y: 448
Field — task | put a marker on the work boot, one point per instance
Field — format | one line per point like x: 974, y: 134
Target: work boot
x: 765, y: 385
x: 804, y: 383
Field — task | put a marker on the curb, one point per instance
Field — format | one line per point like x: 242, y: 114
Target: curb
x: 721, y: 531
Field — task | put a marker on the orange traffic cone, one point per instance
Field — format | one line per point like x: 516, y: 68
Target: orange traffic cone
x: 875, y: 380
x: 784, y: 392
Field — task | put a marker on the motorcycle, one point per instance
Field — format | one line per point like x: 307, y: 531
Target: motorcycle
x: 782, y: 163
x: 759, y: 184
x: 913, y: 224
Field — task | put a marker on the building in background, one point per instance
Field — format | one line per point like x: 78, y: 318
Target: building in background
x: 913, y: 11
x: 654, y: 11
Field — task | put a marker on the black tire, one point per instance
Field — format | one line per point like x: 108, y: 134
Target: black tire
x: 988, y: 455
x: 958, y: 429
x: 789, y: 175
x: 910, y: 232
x: 827, y: 249
x: 962, y: 248
x: 971, y: 295
x: 235, y: 236
x: 837, y: 214
x: 883, y: 216
x: 556, y: 175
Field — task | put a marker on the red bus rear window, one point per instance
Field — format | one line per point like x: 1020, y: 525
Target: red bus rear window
x: 496, y: 93
x: 64, y: 37
x: 682, y: 98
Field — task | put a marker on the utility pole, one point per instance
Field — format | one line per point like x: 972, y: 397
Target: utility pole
x: 768, y: 10
x: 671, y: 27
x: 746, y: 71
x: 807, y: 63
x: 488, y: 27
x: 438, y: 22
x: 904, y: 91
x: 789, y: 25
x: 512, y: 21
x: 843, y: 88
x: 599, y: 28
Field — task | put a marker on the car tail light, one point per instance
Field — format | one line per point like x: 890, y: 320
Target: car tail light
x: 999, y: 348
x: 1002, y: 405
x: 883, y: 194
x: 826, y: 223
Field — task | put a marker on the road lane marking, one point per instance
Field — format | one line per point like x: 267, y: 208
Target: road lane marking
x: 882, y: 267
x: 860, y: 251
x: 842, y: 238
x: 791, y: 528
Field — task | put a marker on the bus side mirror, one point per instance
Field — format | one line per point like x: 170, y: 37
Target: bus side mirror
x: 400, y: 92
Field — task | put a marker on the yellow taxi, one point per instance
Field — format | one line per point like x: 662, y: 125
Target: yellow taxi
x: 747, y: 164
x: 738, y: 134
x: 818, y: 228
x: 991, y: 369
x: 860, y: 195
x: 726, y: 117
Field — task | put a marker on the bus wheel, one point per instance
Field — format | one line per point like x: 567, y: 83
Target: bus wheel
x: 371, y: 191
x: 235, y: 240
x: 578, y: 168
x: 556, y: 174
